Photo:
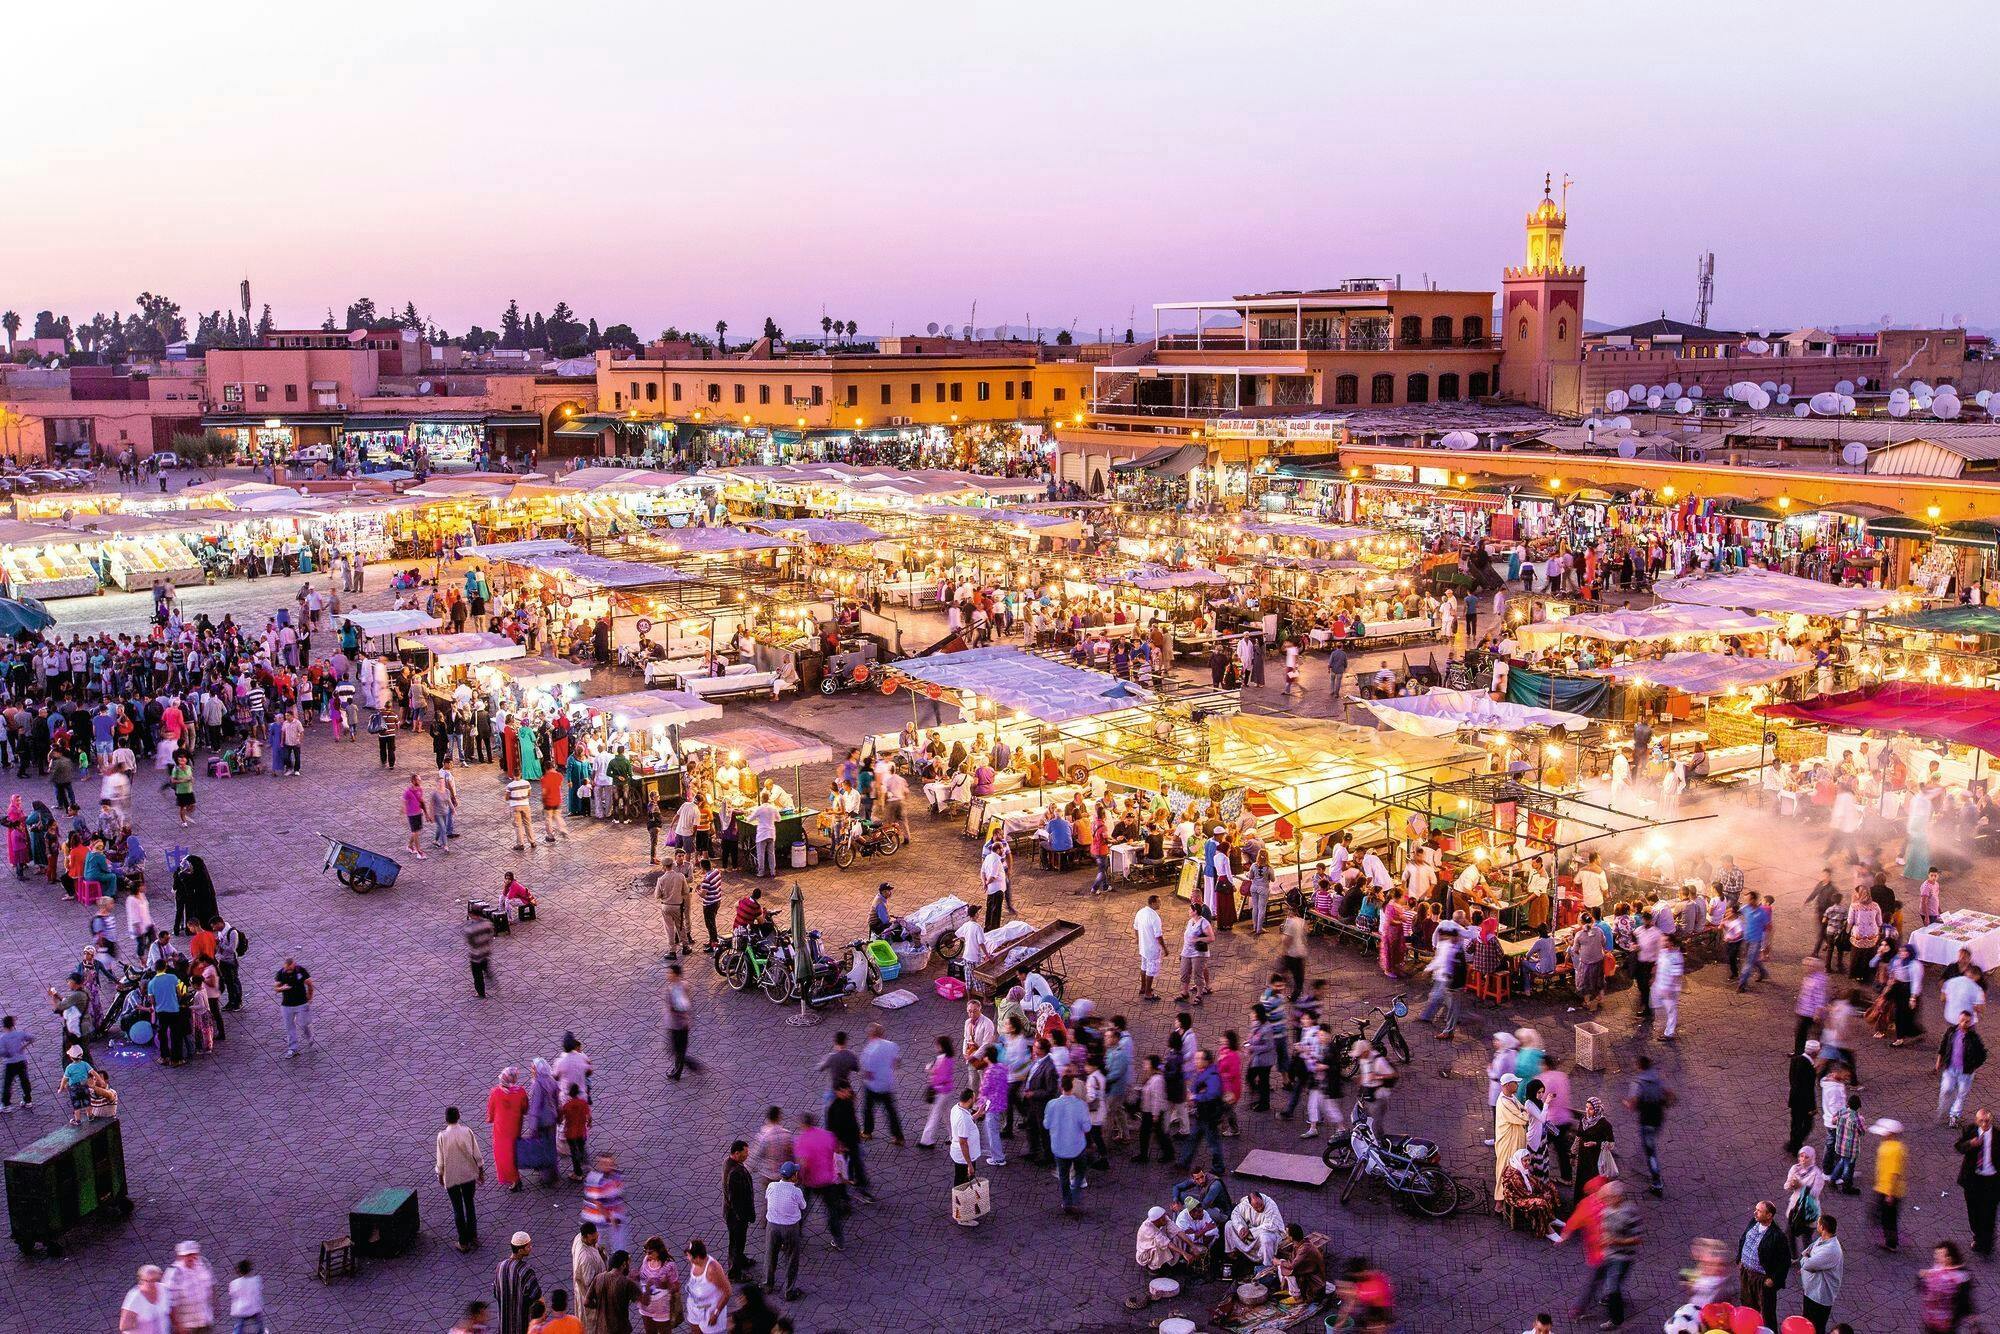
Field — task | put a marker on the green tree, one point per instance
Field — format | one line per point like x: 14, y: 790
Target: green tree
x: 410, y: 319
x: 328, y: 325
x: 510, y: 325
x: 825, y: 330
x: 722, y: 335
x: 45, y: 325
x: 11, y: 322
x: 361, y: 314
x: 621, y: 335
x: 1063, y: 339
x: 264, y: 321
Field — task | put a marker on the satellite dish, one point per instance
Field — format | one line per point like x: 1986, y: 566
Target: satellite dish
x: 1636, y: 391
x: 1993, y: 407
x: 1800, y: 409
x: 1656, y: 390
x: 1653, y: 401
x: 1769, y: 386
x: 1616, y: 400
x: 1846, y: 403
x: 1946, y: 408
x: 1627, y: 448
x: 1983, y: 397
x: 1785, y: 388
x: 1918, y: 388
x: 423, y: 386
x: 1674, y: 389
x: 1695, y: 392
x: 1591, y: 423
x: 931, y: 328
x: 1899, y: 394
x: 981, y: 333
x: 1460, y: 440
x: 1922, y: 402
x: 949, y: 332
x: 1756, y: 347
x: 1854, y: 453
x: 1784, y: 397
x: 1844, y: 387
x: 1621, y: 423
x: 1899, y: 407
x: 1683, y: 404
x: 1760, y: 400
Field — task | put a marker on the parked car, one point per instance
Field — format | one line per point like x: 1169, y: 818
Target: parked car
x: 166, y: 458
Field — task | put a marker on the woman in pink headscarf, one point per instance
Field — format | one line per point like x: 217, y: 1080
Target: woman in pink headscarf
x: 16, y: 821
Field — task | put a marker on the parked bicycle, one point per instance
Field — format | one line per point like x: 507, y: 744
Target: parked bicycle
x: 1406, y: 1166
x: 757, y: 958
x: 1388, y: 1040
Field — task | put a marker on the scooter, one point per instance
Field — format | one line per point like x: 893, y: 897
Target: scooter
x: 856, y: 839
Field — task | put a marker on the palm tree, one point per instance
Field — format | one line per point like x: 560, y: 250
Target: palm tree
x: 721, y: 329
x: 11, y: 322
x: 825, y: 329
x: 852, y: 327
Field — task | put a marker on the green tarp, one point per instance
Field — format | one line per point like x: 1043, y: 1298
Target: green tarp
x: 1948, y: 621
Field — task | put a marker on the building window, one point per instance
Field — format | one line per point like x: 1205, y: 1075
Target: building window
x: 789, y: 400
x: 1027, y: 390
x: 819, y: 395
x: 1479, y: 384
x: 1521, y: 329
x: 1062, y: 392
x: 1448, y: 388
x: 232, y: 393
x: 653, y: 392
x: 739, y: 393
x: 1382, y: 389
x: 291, y: 393
x: 1562, y: 330
x: 635, y: 391
x: 958, y: 391
x: 1417, y: 389
x: 916, y: 392
x: 853, y: 395
x: 886, y: 399
x: 940, y: 391
x: 715, y: 393
x: 677, y: 391
x: 985, y: 392
x: 1347, y: 389
x: 263, y: 393
x: 1413, y: 329
x: 1474, y: 328
x: 764, y: 393
x: 1440, y: 328
x: 617, y: 399
x: 1008, y: 385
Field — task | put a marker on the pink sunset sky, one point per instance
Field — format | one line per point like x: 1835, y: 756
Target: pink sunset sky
x: 682, y: 163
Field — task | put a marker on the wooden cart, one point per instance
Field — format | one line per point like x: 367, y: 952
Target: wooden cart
x: 1029, y: 953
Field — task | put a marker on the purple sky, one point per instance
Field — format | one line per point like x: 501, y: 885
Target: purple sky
x: 683, y: 163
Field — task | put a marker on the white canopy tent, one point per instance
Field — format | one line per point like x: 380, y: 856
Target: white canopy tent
x: 1767, y: 590
x: 522, y: 550
x: 1442, y: 712
x: 650, y: 710
x: 1022, y: 682
x: 373, y: 624
x: 762, y: 749
x: 1705, y: 673
x: 465, y: 650
x: 1666, y: 621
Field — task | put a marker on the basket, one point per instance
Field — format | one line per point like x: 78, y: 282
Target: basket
x: 913, y: 958
x: 1592, y: 1045
x: 949, y: 988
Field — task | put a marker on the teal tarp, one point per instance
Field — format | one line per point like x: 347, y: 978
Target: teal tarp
x: 1587, y: 695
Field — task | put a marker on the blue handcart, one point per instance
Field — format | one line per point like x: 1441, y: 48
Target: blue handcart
x: 358, y: 868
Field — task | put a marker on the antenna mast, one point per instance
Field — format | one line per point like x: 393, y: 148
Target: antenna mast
x: 1704, y: 286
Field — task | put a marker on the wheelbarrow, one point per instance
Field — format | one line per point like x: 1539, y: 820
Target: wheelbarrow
x: 358, y: 868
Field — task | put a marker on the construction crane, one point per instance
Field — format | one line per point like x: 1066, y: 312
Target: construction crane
x: 1704, y: 287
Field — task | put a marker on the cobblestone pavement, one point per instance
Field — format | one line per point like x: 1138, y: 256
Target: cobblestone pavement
x: 259, y: 1156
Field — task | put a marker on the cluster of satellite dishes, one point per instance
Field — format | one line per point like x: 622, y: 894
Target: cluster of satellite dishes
x: 1941, y: 402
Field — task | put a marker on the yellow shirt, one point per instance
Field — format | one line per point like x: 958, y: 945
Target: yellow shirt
x: 1889, y: 1169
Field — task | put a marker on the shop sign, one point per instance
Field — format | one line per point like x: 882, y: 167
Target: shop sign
x: 643, y: 625
x: 1277, y: 428
x: 1394, y: 472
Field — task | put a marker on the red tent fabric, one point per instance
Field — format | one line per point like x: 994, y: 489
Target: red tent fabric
x: 1958, y: 714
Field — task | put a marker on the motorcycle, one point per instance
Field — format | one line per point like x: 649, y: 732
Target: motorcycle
x: 1408, y: 1169
x: 129, y: 1004
x: 1339, y: 1152
x: 857, y: 839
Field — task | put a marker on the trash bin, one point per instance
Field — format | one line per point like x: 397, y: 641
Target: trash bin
x: 1593, y: 1044
x: 799, y: 855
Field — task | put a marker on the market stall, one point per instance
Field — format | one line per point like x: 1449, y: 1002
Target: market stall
x: 378, y: 631
x: 45, y: 561
x: 136, y: 551
x: 738, y: 757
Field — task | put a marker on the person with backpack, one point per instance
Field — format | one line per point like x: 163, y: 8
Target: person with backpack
x: 231, y: 944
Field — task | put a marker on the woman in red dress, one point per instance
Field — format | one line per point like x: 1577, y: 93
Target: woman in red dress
x: 506, y: 1105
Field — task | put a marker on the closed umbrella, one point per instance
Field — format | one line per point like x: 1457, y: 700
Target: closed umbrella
x: 802, y: 966
x: 24, y: 616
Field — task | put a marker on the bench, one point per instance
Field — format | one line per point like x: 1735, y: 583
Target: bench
x: 740, y: 679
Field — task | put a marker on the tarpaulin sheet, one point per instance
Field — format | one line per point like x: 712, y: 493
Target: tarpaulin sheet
x: 1587, y: 695
x: 1440, y: 712
x: 1767, y: 590
x: 1957, y: 714
x: 1704, y: 673
x: 1948, y: 621
x: 1666, y: 621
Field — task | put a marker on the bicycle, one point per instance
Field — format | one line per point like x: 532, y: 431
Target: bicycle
x: 748, y: 960
x: 1388, y: 1039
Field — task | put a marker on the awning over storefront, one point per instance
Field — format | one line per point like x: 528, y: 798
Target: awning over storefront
x: 1167, y: 461
x: 1014, y: 679
x: 1970, y: 533
x: 646, y: 710
x: 1897, y: 525
x: 465, y: 650
x: 1958, y: 714
x: 819, y: 532
x: 408, y: 621
x: 762, y: 749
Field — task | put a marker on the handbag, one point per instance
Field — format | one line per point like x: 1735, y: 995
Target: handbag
x: 971, y: 1201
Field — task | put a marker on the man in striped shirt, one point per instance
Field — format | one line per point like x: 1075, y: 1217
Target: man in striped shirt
x: 711, y: 901
x: 517, y: 810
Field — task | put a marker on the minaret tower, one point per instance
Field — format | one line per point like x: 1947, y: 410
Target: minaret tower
x: 1541, y: 304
